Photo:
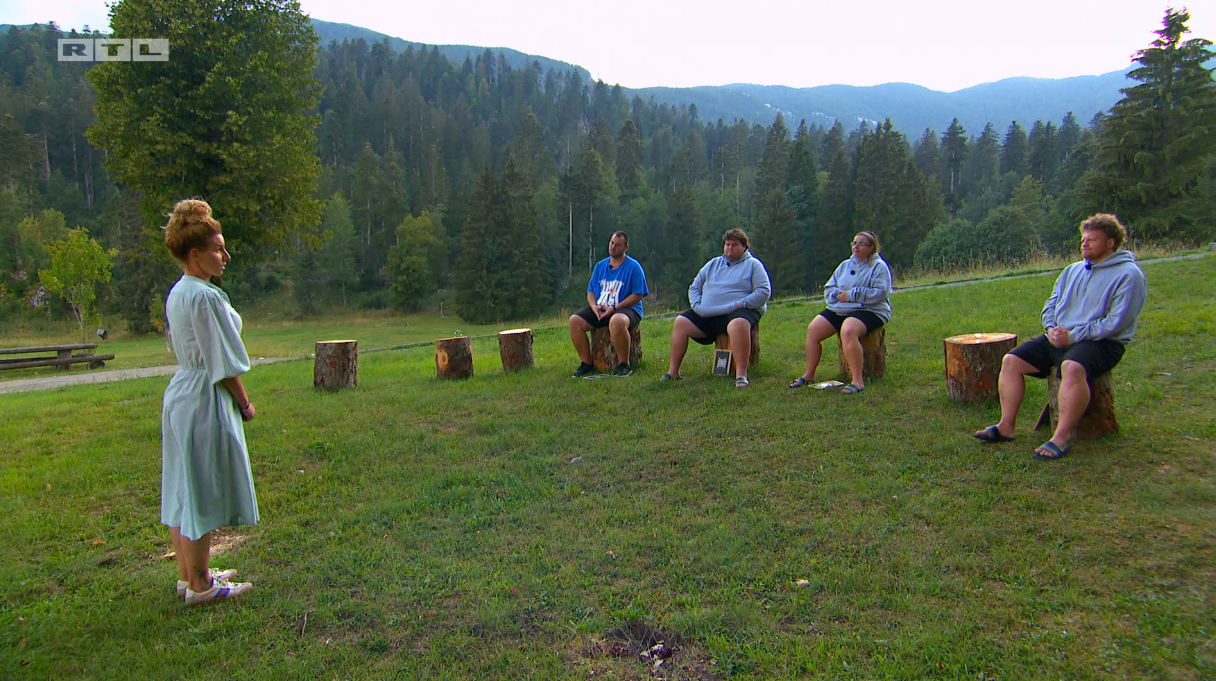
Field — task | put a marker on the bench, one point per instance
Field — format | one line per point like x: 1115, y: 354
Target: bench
x: 63, y: 357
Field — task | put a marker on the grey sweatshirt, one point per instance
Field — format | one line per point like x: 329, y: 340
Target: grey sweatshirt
x: 1098, y: 301
x: 722, y: 285
x: 868, y: 284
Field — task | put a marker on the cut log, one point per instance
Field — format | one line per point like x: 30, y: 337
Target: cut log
x: 973, y: 365
x: 336, y: 365
x: 454, y: 358
x: 722, y: 344
x: 603, y: 353
x: 1099, y: 417
x: 874, y: 354
x: 515, y: 348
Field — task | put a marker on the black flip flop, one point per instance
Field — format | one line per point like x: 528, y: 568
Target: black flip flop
x: 991, y: 435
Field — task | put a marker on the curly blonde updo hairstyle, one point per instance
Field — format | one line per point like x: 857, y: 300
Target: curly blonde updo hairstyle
x: 190, y: 226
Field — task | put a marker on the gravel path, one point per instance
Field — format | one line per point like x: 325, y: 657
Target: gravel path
x: 51, y: 382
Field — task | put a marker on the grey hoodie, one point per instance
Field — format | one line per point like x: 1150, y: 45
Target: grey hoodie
x: 722, y: 285
x: 1098, y: 301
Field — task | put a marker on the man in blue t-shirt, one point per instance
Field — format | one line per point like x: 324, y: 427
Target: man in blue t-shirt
x: 614, y: 300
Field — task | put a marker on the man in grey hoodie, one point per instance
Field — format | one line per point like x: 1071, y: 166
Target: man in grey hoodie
x: 728, y: 295
x: 1089, y: 318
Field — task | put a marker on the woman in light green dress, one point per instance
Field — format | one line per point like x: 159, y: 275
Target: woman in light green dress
x: 206, y: 481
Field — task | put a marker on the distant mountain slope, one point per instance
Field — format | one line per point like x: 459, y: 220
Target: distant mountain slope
x: 911, y: 108
x: 454, y: 53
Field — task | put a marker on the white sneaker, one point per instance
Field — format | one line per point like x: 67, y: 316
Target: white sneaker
x: 214, y: 574
x: 220, y: 590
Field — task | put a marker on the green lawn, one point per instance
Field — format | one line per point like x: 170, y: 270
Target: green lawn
x: 535, y: 526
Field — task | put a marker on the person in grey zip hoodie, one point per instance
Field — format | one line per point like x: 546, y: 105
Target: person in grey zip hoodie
x: 728, y: 295
x: 858, y: 297
x: 1089, y: 319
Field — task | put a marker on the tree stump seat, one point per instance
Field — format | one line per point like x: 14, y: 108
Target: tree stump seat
x: 454, y: 358
x: 973, y: 365
x: 722, y: 344
x: 603, y: 352
x: 1099, y: 417
x: 874, y: 354
x: 515, y: 348
x: 336, y: 364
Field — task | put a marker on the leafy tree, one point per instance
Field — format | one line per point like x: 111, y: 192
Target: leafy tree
x: 225, y: 118
x: 408, y: 269
x: 1153, y: 145
x: 78, y: 265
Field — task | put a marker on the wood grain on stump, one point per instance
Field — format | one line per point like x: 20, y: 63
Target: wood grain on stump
x: 336, y: 364
x: 515, y: 348
x: 1099, y: 417
x: 973, y: 365
x: 603, y: 353
x: 874, y: 354
x: 722, y: 342
x: 454, y: 358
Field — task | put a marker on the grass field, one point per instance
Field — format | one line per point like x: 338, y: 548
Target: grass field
x: 535, y: 526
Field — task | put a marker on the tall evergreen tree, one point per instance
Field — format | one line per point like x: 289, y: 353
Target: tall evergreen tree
x: 954, y: 155
x: 684, y: 235
x: 1013, y: 150
x: 927, y: 154
x: 771, y: 174
x: 1152, y: 146
x: 835, y: 216
x: 1043, y: 156
x: 980, y: 171
x: 629, y: 161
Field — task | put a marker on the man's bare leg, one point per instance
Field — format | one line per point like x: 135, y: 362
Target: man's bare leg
x: 618, y: 330
x: 578, y: 336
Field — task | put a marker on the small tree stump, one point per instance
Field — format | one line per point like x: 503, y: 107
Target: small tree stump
x: 603, y: 353
x: 722, y: 342
x: 973, y: 365
x: 1099, y: 417
x: 337, y: 365
x: 454, y: 358
x: 873, y: 352
x: 515, y: 348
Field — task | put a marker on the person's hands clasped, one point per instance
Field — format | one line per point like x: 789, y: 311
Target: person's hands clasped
x: 602, y: 311
x: 1058, y: 336
x: 842, y: 296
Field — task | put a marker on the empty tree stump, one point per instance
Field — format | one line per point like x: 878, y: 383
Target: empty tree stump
x: 722, y: 342
x: 973, y: 365
x: 1099, y: 417
x: 336, y: 365
x: 873, y: 351
x: 603, y: 353
x: 454, y: 358
x: 515, y: 348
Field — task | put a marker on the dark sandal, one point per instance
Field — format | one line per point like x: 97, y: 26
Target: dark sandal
x: 1054, y: 452
x: 741, y: 382
x: 991, y: 435
x: 851, y: 389
x: 799, y: 382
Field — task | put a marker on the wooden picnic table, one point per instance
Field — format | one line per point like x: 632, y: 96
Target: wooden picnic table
x: 63, y: 358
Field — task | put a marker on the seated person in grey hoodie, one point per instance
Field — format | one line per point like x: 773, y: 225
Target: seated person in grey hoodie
x: 859, y: 301
x: 1089, y: 318
x: 728, y: 295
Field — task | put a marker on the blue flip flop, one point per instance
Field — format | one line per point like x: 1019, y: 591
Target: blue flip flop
x: 991, y: 435
x: 1055, y: 451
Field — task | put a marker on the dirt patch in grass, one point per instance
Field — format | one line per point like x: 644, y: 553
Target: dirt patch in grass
x: 638, y: 650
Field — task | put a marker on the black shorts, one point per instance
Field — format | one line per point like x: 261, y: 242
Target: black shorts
x: 596, y: 323
x: 1098, y: 357
x: 712, y: 327
x: 871, y: 320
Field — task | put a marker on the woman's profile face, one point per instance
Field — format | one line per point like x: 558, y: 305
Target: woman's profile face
x: 214, y: 258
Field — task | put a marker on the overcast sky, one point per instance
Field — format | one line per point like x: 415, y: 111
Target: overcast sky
x: 940, y: 44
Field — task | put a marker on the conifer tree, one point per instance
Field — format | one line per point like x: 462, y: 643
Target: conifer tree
x: 683, y: 234
x: 1068, y: 135
x: 835, y: 215
x: 980, y: 171
x: 1152, y: 146
x: 629, y: 161
x: 927, y: 154
x: 771, y: 174
x: 1043, y: 155
x: 954, y: 155
x: 1013, y: 150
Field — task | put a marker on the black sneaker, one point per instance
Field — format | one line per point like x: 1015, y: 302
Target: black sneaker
x: 623, y: 370
x: 582, y: 370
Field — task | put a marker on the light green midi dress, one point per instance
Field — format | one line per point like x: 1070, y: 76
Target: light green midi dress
x: 206, y: 481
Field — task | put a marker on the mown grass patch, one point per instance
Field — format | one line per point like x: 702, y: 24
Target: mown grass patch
x: 513, y: 526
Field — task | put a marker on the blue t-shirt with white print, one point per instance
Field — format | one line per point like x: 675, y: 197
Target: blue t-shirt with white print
x: 612, y: 286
